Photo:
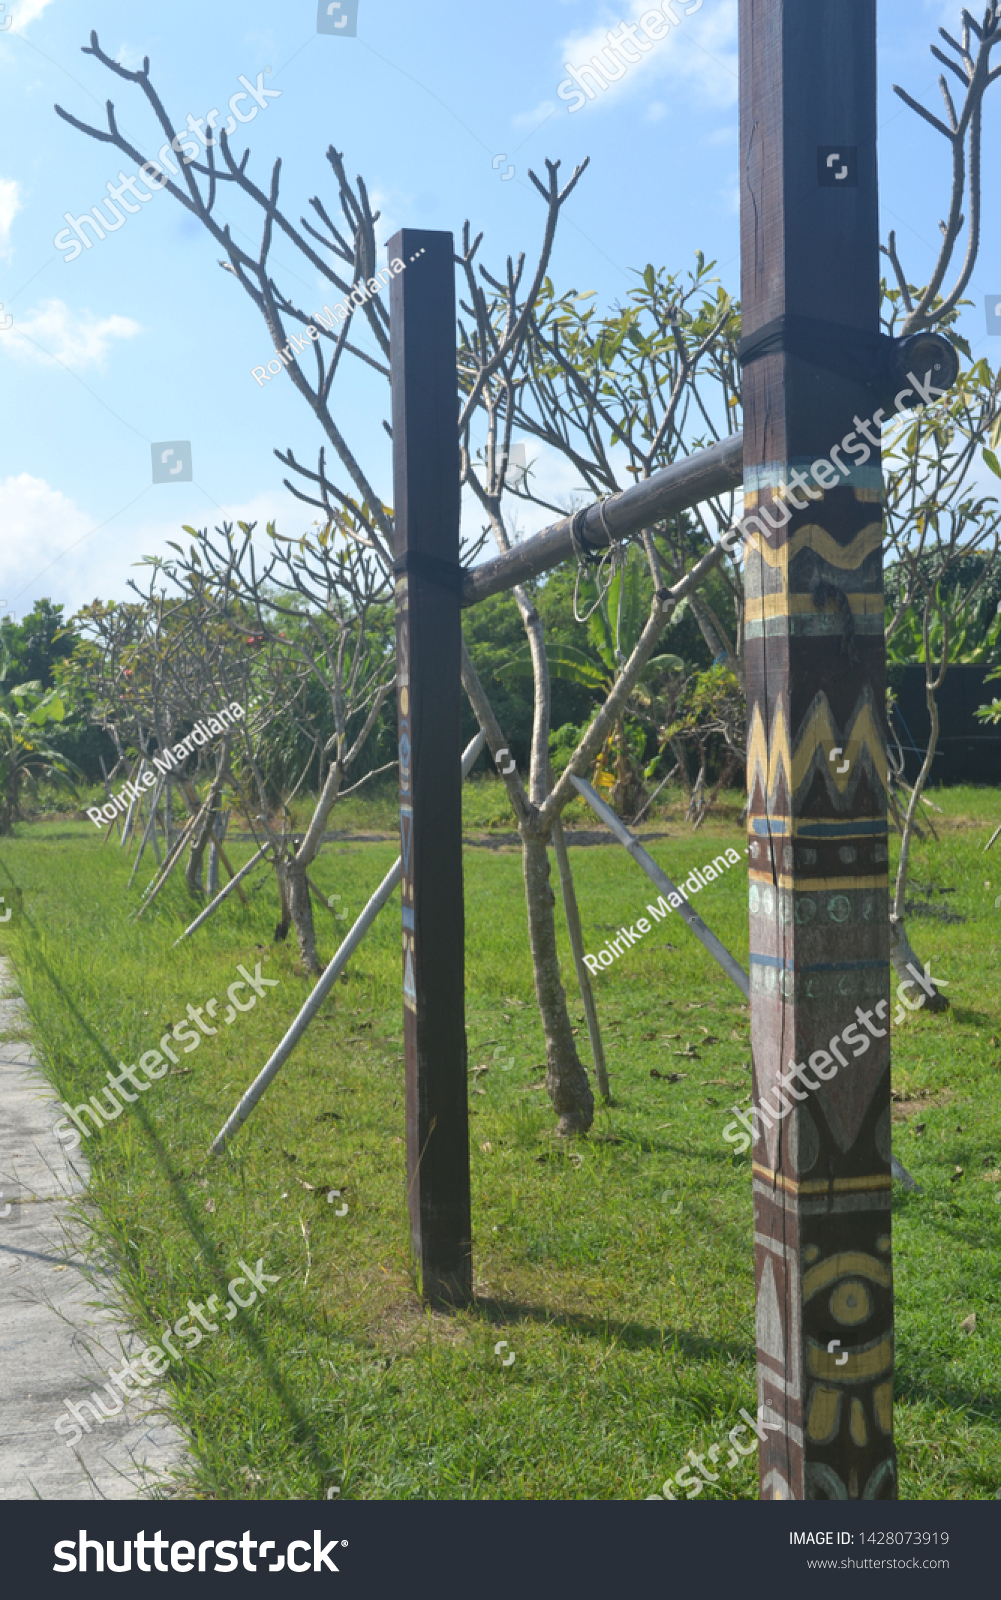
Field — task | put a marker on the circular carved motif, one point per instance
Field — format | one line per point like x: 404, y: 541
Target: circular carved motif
x: 851, y: 1302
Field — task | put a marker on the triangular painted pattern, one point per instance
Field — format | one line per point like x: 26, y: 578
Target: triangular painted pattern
x: 817, y: 736
x: 846, y: 1098
x: 406, y: 836
x: 767, y: 759
x: 778, y: 771
x: 771, y: 1338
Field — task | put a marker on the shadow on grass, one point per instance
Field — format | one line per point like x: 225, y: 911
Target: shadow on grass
x: 627, y: 1335
x: 303, y: 1431
x: 980, y: 1019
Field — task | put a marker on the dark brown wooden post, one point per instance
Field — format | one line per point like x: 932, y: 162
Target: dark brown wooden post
x: 816, y: 750
x: 428, y: 635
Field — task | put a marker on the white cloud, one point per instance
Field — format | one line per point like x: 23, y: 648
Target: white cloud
x: 698, y: 56
x: 949, y: 13
x: 724, y: 135
x: 389, y: 207
x: 730, y: 197
x: 534, y: 118
x: 54, y: 332
x: 39, y: 523
x: 25, y: 11
x: 130, y: 56
x: 10, y: 204
x: 53, y: 547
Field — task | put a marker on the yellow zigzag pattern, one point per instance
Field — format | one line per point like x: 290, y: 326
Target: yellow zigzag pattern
x: 846, y: 557
x: 817, y: 738
x: 764, y: 764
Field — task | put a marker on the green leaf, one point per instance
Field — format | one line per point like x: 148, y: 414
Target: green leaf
x: 573, y: 666
x: 598, y: 627
x: 565, y: 662
x: 992, y: 461
x: 991, y: 713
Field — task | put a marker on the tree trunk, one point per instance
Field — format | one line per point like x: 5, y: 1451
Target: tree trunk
x: 213, y: 883
x: 285, y: 914
x: 696, y: 802
x: 629, y: 791
x: 577, y: 946
x: 622, y: 773
x: 300, y: 906
x: 729, y: 766
x: 293, y: 887
x: 895, y: 813
x: 566, y: 1079
x: 901, y: 951
x: 215, y: 853
x: 193, y: 870
x: 681, y: 755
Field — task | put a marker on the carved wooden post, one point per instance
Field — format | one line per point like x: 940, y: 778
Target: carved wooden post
x: 428, y: 637
x: 816, y: 750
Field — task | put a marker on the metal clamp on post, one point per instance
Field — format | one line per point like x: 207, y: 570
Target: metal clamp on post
x: 879, y: 362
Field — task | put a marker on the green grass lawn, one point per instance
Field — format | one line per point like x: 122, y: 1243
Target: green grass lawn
x: 619, y: 1272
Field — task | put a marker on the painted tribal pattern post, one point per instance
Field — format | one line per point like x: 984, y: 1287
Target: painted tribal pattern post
x: 818, y: 900
x: 405, y: 752
x: 815, y: 677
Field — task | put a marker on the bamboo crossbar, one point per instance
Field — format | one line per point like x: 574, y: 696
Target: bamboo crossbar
x: 684, y: 483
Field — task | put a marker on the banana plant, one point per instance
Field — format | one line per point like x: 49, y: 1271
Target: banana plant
x: 614, y: 625
x: 25, y: 754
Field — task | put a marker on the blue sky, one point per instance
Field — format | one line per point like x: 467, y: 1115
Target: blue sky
x: 142, y: 338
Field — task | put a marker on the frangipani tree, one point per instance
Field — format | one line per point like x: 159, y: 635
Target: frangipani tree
x: 313, y: 612
x: 938, y: 525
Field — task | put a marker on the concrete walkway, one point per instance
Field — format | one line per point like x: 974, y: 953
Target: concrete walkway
x: 55, y: 1345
